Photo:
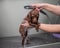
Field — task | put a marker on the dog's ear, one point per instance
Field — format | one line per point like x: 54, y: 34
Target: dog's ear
x: 29, y: 15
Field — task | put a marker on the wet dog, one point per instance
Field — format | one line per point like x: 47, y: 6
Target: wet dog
x: 32, y: 18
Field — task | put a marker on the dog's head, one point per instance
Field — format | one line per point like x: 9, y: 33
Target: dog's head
x: 34, y: 13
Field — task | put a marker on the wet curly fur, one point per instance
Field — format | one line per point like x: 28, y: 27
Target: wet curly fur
x: 32, y: 18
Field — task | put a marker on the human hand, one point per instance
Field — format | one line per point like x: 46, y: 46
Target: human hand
x: 39, y: 5
x: 26, y: 24
x: 36, y: 5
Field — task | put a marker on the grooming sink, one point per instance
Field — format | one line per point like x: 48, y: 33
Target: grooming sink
x: 44, y: 40
x: 40, y: 40
x: 52, y: 45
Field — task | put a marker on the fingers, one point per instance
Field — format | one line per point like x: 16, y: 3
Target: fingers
x: 38, y: 6
x: 26, y: 24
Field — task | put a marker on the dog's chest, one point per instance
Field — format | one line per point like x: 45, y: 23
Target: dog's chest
x: 34, y: 20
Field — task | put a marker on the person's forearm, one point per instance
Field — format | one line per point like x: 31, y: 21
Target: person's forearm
x: 50, y: 27
x: 52, y: 8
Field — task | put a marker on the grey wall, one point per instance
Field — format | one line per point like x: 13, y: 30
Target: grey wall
x: 12, y: 14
